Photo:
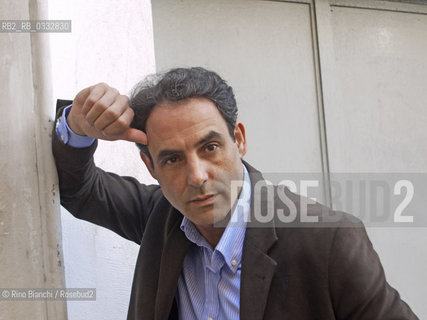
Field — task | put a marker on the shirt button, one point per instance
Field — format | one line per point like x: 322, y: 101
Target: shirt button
x: 233, y: 262
x: 210, y: 318
x: 62, y: 137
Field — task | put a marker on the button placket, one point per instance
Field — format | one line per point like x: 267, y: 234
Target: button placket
x: 212, y: 275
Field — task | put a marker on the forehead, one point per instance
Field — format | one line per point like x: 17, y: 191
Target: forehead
x: 182, y: 121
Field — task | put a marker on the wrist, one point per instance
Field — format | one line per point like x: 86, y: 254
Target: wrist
x: 73, y: 124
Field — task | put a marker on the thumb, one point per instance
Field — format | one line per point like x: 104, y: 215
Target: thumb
x: 135, y: 135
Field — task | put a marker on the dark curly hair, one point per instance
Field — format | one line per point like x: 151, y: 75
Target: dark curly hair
x: 178, y: 84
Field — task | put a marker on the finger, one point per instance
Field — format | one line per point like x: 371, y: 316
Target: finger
x: 80, y: 98
x: 135, y: 135
x: 96, y: 93
x: 106, y: 110
x: 120, y: 125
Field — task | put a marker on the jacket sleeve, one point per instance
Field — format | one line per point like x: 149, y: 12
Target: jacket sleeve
x: 120, y: 204
x: 357, y: 281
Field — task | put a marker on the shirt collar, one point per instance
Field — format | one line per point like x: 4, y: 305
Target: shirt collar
x: 231, y: 243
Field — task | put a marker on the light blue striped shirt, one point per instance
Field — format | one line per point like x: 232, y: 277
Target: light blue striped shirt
x: 209, y: 284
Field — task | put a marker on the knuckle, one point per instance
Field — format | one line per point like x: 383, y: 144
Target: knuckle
x: 125, y: 98
x: 106, y: 131
x: 122, y: 100
x: 111, y: 114
x: 110, y: 131
x: 99, y: 106
x: 97, y: 126
x: 122, y: 123
x: 131, y: 113
x: 92, y: 100
x: 102, y: 85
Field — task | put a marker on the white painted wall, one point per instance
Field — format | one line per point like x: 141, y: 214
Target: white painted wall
x: 112, y: 42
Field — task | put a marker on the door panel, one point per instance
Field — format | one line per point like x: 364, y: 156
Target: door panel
x: 264, y: 50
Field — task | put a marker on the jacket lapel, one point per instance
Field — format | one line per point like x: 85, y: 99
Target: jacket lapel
x: 257, y: 266
x: 175, y: 248
x: 257, y: 272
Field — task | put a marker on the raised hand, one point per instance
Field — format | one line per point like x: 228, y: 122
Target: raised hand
x: 102, y: 112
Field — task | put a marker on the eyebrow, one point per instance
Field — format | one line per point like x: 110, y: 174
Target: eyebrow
x: 169, y: 152
x: 210, y: 136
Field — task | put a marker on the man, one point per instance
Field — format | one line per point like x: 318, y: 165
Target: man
x: 203, y: 253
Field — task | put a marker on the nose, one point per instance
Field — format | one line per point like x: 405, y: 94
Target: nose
x: 196, y: 172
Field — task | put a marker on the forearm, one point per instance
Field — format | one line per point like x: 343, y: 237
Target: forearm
x: 119, y: 204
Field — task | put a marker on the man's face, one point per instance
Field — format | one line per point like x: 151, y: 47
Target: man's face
x: 191, y: 149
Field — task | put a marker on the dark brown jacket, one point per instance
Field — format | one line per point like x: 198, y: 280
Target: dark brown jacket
x: 289, y: 271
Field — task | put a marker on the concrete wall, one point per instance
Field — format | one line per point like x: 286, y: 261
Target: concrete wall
x: 112, y: 42
x: 30, y: 241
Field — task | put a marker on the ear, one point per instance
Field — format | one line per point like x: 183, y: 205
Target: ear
x: 240, y: 136
x: 148, y: 164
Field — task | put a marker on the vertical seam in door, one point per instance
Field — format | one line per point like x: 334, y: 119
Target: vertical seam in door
x: 320, y: 107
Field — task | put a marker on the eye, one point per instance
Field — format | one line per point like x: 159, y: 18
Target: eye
x: 211, y: 147
x: 170, y: 160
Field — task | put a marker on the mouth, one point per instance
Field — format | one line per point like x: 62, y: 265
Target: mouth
x: 204, y: 200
